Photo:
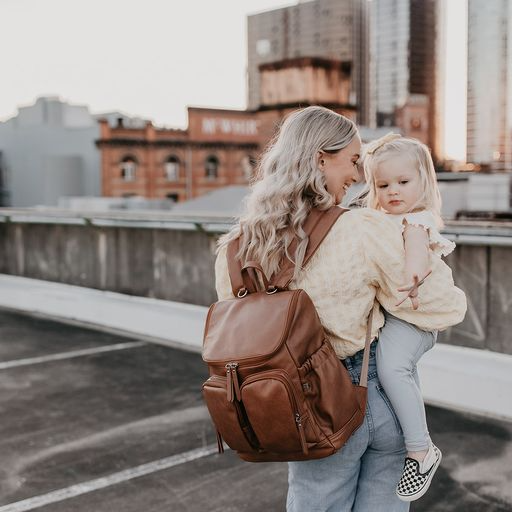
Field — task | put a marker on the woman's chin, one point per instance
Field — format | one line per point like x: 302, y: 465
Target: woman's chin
x: 340, y: 196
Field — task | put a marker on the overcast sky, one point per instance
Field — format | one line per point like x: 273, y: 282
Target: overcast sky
x: 148, y: 58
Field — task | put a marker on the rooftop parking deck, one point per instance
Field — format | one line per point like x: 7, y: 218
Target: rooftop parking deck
x: 98, y: 422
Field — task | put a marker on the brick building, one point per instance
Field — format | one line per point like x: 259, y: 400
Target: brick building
x: 219, y: 147
x: 216, y: 150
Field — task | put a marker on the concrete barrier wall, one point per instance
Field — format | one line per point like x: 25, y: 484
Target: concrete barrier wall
x: 177, y: 264
x: 159, y: 263
x: 485, y: 274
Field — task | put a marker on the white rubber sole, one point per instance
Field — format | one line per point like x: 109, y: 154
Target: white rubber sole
x: 424, y: 489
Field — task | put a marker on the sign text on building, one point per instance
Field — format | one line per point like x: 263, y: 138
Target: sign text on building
x: 223, y: 126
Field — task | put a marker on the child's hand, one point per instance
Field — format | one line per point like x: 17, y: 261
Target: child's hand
x: 412, y: 290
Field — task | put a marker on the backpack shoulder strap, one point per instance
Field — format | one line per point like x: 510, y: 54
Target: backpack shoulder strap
x: 317, y: 225
x: 239, y: 280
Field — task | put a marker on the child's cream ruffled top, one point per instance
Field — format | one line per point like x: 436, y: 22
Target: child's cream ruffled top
x: 361, y: 261
x: 426, y: 220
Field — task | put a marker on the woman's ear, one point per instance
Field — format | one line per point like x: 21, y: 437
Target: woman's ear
x: 320, y: 160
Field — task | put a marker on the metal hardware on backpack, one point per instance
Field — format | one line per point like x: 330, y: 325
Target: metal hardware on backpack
x: 277, y: 390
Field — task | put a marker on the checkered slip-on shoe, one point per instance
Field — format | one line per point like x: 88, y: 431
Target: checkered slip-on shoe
x: 414, y: 484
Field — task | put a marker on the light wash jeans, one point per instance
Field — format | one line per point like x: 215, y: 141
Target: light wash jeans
x: 400, y: 347
x: 362, y: 476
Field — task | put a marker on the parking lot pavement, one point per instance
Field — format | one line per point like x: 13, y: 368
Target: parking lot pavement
x: 101, y: 423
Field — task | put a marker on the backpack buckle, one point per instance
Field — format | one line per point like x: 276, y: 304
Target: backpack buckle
x: 271, y: 289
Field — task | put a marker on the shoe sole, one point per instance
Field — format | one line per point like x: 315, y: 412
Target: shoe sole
x: 419, y: 494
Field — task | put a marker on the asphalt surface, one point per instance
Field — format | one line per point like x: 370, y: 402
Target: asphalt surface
x: 101, y: 423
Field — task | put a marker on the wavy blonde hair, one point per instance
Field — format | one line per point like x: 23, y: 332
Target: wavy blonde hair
x: 287, y: 186
x: 392, y: 145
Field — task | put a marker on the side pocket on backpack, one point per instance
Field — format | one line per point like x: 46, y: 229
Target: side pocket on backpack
x: 228, y: 417
x: 328, y: 389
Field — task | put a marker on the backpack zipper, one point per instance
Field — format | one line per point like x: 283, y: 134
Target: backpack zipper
x: 302, y: 435
x: 244, y: 425
x: 232, y: 383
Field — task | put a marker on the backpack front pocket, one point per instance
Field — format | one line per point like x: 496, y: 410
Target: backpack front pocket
x: 273, y: 412
x: 228, y: 417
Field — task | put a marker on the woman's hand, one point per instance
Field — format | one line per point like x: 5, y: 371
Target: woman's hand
x: 412, y: 290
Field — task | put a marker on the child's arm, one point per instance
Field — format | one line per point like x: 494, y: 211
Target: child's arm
x: 417, y: 257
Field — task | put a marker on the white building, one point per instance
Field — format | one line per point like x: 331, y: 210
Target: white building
x: 48, y: 151
x: 489, y: 103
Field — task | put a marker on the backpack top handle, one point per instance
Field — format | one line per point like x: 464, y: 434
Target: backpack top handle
x: 251, y: 267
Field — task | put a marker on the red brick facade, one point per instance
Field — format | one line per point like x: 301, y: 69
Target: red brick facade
x: 178, y: 164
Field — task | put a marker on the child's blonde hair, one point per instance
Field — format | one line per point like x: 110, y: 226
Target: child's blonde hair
x: 393, y: 144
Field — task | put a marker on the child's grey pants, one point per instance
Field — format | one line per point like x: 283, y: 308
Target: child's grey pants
x: 399, y: 348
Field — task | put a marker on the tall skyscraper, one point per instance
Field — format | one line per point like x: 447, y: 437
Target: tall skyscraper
x: 489, y: 103
x: 326, y: 29
x: 403, y: 52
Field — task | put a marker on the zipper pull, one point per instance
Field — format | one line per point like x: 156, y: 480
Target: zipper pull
x: 232, y: 382
x: 302, y: 436
x: 236, y: 384
x: 229, y: 383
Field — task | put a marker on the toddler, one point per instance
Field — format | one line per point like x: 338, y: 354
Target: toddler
x: 402, y: 183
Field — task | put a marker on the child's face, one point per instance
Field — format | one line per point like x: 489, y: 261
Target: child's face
x: 398, y: 185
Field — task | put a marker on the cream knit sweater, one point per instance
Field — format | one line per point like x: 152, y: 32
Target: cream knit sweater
x: 360, y: 264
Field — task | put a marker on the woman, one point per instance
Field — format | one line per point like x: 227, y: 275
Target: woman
x: 311, y: 163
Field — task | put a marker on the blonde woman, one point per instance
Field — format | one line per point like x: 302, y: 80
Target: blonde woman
x: 311, y: 163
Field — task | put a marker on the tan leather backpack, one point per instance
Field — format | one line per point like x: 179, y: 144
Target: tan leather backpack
x: 277, y: 391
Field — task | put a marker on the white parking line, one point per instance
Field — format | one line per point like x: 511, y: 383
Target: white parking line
x: 70, y: 354
x: 107, y: 481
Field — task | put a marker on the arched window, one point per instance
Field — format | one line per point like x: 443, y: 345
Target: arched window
x: 172, y: 168
x: 211, y: 167
x: 128, y: 168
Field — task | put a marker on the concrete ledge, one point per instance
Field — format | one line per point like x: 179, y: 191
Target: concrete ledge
x: 467, y: 379
x: 453, y: 377
x: 161, y: 321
